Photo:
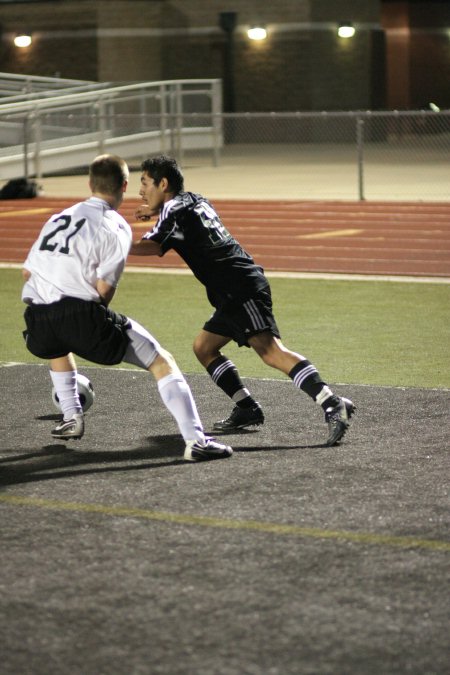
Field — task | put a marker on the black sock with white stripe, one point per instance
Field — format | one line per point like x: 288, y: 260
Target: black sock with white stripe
x: 224, y: 373
x: 306, y: 377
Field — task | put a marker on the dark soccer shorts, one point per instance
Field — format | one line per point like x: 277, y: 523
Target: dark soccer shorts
x: 240, y: 319
x: 86, y: 328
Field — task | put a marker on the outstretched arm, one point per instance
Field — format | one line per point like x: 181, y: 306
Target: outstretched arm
x: 144, y: 212
x: 145, y: 247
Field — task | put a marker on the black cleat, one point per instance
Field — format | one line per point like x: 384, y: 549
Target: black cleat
x: 202, y: 452
x: 70, y: 429
x: 240, y: 418
x: 338, y: 420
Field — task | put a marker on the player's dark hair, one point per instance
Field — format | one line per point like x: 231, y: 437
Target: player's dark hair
x: 164, y: 167
x: 107, y: 174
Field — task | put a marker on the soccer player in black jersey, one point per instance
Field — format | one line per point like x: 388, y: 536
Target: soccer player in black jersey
x: 238, y: 290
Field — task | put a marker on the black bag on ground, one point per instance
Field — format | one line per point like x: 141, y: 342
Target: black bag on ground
x: 19, y: 188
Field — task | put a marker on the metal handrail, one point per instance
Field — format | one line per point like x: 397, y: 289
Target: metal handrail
x: 64, y: 100
x: 69, y: 116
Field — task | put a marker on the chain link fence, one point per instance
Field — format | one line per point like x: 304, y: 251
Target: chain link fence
x: 356, y: 155
x: 329, y: 155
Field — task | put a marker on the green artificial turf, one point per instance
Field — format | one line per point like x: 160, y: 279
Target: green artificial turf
x: 360, y: 332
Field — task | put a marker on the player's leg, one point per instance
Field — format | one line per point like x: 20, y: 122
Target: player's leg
x: 42, y: 340
x: 207, y: 348
x: 306, y: 377
x: 145, y: 351
x: 63, y: 373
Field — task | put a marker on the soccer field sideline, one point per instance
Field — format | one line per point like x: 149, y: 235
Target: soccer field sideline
x: 285, y: 275
x: 287, y: 382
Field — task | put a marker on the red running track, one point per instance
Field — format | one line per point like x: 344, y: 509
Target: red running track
x: 389, y: 238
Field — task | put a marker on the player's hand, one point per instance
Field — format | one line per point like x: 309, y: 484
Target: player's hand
x: 144, y: 212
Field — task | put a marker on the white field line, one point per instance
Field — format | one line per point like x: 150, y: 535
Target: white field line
x: 143, y: 373
x: 286, y: 275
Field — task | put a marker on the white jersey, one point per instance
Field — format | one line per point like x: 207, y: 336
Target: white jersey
x: 77, y: 247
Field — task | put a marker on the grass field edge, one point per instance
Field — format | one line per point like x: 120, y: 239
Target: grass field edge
x: 283, y: 275
x: 10, y: 364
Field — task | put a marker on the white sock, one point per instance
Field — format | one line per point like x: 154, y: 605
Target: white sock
x: 323, y: 395
x: 176, y: 396
x: 240, y: 395
x: 66, y: 389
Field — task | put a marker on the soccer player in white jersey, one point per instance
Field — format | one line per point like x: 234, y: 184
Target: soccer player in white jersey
x: 71, y: 274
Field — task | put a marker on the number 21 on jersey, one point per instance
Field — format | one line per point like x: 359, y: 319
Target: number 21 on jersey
x: 48, y: 245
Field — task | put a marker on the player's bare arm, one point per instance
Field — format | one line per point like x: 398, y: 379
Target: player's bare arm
x: 145, y: 212
x: 145, y: 247
x: 26, y: 274
x: 105, y: 291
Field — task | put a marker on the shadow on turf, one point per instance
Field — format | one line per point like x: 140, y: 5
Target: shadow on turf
x: 70, y: 460
x: 61, y: 460
x: 54, y: 417
x: 269, y: 448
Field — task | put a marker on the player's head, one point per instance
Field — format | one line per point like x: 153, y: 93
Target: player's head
x: 108, y: 176
x: 161, y: 167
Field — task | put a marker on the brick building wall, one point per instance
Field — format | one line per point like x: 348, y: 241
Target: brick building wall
x: 64, y: 39
x: 302, y: 65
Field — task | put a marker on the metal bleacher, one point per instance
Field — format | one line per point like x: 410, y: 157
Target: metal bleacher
x: 49, y: 125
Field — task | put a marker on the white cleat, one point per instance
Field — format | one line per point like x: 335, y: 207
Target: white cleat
x: 70, y: 429
x: 202, y: 452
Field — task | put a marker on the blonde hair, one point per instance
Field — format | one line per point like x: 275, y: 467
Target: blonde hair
x: 107, y: 174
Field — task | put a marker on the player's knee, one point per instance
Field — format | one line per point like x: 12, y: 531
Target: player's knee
x: 200, y: 349
x: 164, y: 364
x: 167, y: 357
x: 269, y: 356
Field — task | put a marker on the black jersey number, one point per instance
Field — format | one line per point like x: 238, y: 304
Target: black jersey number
x: 217, y: 232
x: 66, y: 222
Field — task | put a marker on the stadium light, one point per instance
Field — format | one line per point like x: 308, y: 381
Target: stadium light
x: 346, y: 30
x: 23, y: 40
x: 257, y: 33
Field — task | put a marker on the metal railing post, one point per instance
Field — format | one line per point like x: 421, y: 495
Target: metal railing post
x: 360, y: 151
x: 25, y: 147
x: 179, y: 122
x: 142, y: 109
x: 217, y: 121
x: 100, y: 111
x: 163, y: 117
x: 37, y: 144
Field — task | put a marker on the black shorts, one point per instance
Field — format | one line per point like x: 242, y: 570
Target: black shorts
x: 86, y: 328
x: 240, y: 319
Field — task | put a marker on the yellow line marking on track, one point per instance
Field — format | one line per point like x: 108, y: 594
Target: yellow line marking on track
x: 330, y: 233
x: 224, y: 523
x: 24, y: 212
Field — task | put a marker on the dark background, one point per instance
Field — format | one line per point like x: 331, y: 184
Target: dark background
x: 398, y: 59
